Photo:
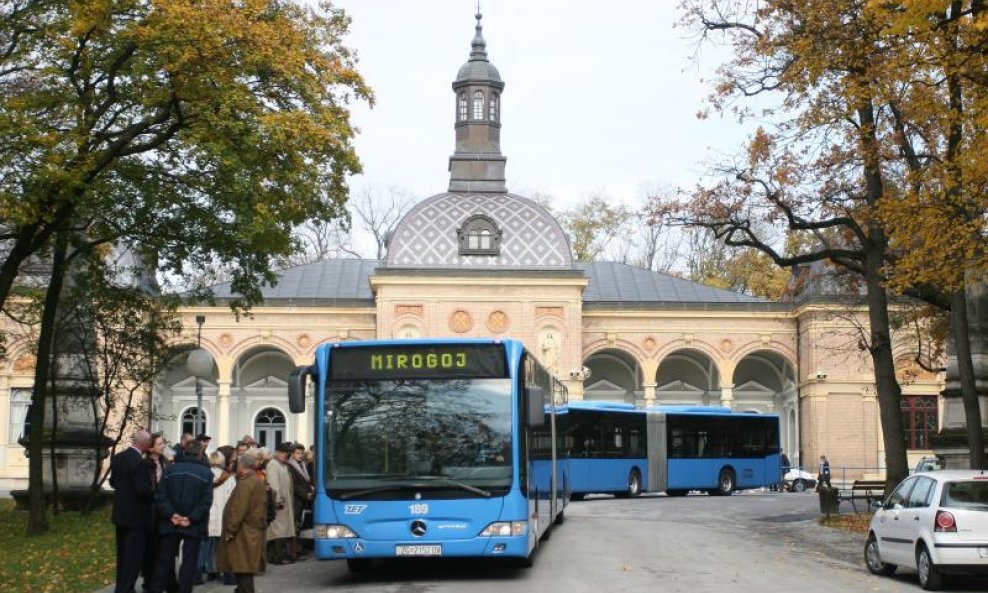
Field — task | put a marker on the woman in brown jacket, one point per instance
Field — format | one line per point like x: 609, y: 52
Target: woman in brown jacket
x: 244, y: 524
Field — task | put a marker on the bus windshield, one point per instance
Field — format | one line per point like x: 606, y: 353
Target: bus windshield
x: 390, y: 439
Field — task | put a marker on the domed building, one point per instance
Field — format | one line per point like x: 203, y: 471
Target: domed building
x: 479, y: 261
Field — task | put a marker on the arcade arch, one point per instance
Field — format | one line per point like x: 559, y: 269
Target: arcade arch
x: 174, y: 396
x: 615, y: 375
x: 688, y: 377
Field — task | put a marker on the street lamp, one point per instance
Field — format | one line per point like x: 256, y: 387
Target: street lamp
x: 200, y: 365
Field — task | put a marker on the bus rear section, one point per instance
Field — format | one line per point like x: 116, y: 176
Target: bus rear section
x: 424, y: 451
x: 619, y: 449
x: 718, y: 451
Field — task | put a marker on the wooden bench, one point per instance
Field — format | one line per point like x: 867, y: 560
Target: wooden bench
x: 866, y: 490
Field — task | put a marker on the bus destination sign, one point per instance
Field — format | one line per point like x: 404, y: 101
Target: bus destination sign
x: 424, y: 361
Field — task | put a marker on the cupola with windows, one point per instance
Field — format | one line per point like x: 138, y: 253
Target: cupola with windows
x: 477, y: 164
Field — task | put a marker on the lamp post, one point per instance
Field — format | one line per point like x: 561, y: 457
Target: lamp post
x: 200, y: 365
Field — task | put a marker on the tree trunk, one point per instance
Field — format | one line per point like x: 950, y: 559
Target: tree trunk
x: 37, y: 521
x: 965, y: 366
x: 875, y: 247
x: 889, y: 391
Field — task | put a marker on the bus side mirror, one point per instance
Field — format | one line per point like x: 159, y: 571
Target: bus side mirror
x: 296, y: 389
x: 535, y: 406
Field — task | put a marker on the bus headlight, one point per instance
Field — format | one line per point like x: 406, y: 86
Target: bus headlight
x: 332, y: 532
x: 505, y: 529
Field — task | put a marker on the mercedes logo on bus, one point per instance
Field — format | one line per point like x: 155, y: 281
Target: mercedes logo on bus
x: 418, y: 528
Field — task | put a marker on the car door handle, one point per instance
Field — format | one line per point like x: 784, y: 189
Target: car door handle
x: 915, y: 518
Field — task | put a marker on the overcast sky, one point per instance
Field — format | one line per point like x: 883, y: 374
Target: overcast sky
x: 599, y: 96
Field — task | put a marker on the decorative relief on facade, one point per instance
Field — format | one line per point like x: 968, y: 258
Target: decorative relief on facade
x: 303, y: 341
x: 649, y: 344
x: 25, y: 364
x: 549, y: 311
x: 408, y: 310
x: 408, y: 332
x: 497, y: 321
x: 766, y: 339
x: 226, y: 340
x: 611, y: 340
x: 688, y: 339
x: 549, y: 344
x: 460, y: 322
x: 726, y: 346
x: 266, y: 334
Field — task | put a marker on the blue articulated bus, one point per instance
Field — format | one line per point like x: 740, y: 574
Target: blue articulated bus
x: 619, y: 449
x: 444, y: 448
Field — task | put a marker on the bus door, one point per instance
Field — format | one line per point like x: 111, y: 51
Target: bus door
x: 658, y: 474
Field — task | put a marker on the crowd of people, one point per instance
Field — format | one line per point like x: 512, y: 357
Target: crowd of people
x: 224, y: 514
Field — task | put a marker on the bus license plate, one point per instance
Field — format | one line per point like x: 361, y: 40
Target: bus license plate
x: 418, y: 550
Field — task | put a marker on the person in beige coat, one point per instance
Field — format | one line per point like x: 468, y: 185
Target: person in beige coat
x: 281, y: 531
x: 244, y: 521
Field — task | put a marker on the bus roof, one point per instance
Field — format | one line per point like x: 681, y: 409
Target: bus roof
x: 415, y: 342
x: 610, y: 406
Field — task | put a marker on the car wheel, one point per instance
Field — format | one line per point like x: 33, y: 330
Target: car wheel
x: 525, y: 562
x: 359, y: 565
x: 799, y: 486
x: 725, y: 482
x: 873, y: 559
x: 930, y: 578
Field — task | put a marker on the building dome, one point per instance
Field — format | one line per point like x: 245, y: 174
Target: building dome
x: 521, y: 235
x: 479, y: 71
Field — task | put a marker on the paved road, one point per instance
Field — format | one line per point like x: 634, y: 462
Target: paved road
x: 765, y: 542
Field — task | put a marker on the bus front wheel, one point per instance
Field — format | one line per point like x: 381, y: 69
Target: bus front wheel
x: 726, y: 482
x: 634, y: 484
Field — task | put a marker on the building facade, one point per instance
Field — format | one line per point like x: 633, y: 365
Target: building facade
x: 478, y: 261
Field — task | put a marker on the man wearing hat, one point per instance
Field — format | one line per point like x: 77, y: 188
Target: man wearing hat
x: 281, y: 531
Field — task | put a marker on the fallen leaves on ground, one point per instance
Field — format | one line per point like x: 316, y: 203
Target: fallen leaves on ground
x: 854, y: 522
x: 77, y: 555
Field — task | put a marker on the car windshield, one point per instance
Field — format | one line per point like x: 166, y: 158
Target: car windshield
x: 969, y: 494
x: 437, y: 438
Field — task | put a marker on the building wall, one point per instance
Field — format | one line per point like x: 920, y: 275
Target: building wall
x: 832, y: 398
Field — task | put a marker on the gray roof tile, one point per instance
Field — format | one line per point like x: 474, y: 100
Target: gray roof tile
x: 610, y: 282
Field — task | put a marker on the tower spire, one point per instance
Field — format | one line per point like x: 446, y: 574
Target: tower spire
x: 479, y: 46
x: 477, y: 164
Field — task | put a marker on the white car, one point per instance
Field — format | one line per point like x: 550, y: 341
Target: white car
x: 798, y: 480
x: 935, y: 523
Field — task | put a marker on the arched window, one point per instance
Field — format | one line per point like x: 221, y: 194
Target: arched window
x: 492, y: 108
x: 189, y: 422
x: 269, y: 427
x: 478, y: 105
x: 462, y: 107
x: 479, y: 235
x: 20, y: 405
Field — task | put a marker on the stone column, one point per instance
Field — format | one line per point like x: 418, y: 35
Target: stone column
x: 727, y: 396
x: 649, y: 394
x: 951, y: 443
x: 223, y: 413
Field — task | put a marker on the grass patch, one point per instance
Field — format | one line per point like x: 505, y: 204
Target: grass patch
x: 853, y: 522
x: 77, y: 555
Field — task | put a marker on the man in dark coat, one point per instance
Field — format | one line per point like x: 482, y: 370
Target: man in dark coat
x: 183, y: 498
x: 244, y: 523
x: 132, y: 501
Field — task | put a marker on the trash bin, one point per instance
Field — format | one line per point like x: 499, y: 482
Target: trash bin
x: 829, y: 500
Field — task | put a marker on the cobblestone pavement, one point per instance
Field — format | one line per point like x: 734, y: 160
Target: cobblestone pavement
x: 759, y: 541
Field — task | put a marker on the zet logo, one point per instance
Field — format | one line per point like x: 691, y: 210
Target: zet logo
x: 354, y: 509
